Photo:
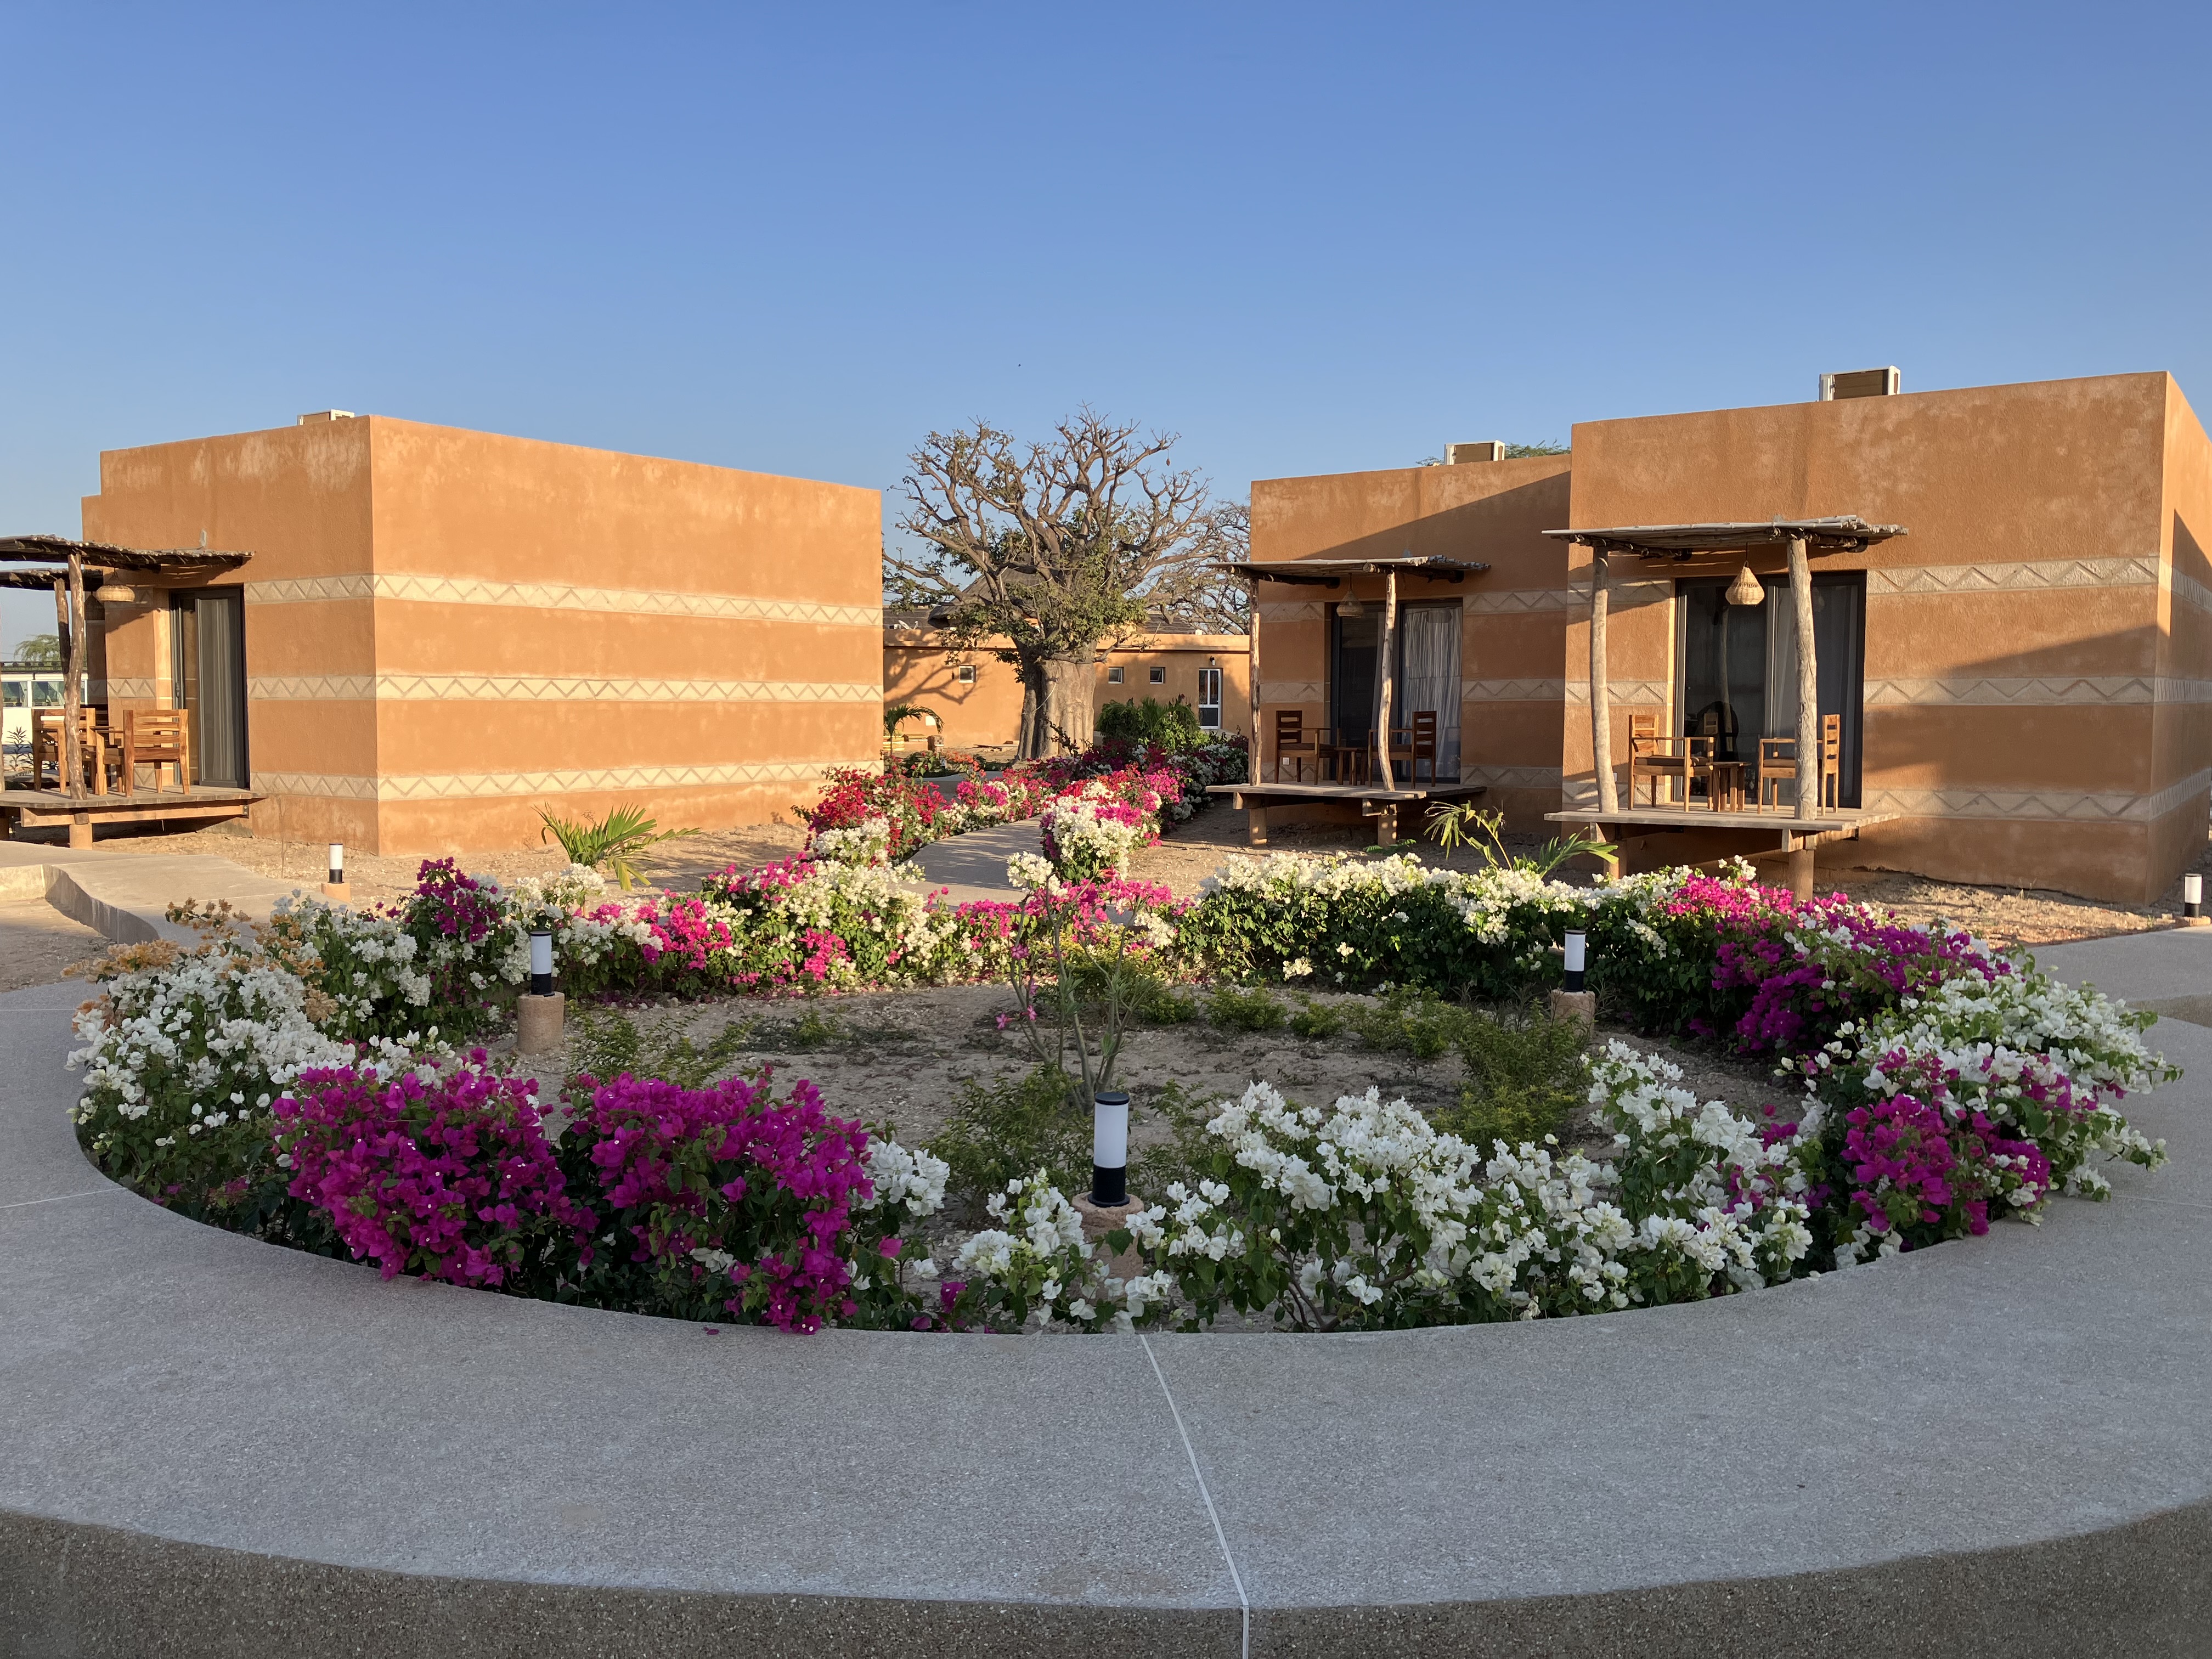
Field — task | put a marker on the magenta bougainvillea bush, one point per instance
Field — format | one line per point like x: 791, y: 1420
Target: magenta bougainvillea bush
x: 727, y: 1203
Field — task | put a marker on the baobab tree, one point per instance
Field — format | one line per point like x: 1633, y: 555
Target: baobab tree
x: 1053, y: 548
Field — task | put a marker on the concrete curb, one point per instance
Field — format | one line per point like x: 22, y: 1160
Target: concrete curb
x: 216, y: 1447
x: 126, y: 896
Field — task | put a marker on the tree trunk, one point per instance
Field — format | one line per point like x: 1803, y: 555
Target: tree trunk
x: 1808, y: 686
x: 1071, y: 717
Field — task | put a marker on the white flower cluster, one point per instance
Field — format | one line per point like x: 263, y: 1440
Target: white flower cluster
x: 1035, y: 1268
x: 868, y: 841
x: 1364, y: 1214
x: 173, y: 1039
x: 1087, y: 843
x: 900, y: 1175
x: 1028, y: 871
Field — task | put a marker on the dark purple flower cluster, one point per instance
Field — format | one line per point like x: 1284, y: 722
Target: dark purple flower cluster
x: 728, y: 1195
x: 443, y: 1173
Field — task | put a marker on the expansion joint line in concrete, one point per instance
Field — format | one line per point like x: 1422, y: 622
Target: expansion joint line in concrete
x: 1243, y: 1606
x: 89, y: 1192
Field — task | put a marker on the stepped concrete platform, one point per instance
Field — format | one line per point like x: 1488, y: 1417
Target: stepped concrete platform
x: 125, y: 895
x: 213, y: 1446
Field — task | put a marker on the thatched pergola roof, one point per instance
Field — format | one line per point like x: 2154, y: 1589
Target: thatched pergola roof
x: 54, y: 554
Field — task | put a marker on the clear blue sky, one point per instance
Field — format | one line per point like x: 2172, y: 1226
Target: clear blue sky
x: 1307, y: 238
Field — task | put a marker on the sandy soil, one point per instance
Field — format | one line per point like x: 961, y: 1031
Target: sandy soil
x: 37, y: 942
x: 900, y: 1056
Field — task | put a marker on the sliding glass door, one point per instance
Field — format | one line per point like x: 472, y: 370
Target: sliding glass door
x: 1736, y: 665
x: 1424, y: 676
x: 207, y: 642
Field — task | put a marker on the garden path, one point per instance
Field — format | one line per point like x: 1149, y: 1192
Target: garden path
x: 974, y: 865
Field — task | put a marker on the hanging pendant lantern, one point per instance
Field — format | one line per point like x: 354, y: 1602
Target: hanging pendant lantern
x: 1747, y: 589
x: 1350, y: 608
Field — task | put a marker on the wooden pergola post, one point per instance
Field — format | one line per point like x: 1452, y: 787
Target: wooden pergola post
x: 1383, y: 664
x: 1600, y: 688
x: 1252, y: 669
x: 69, y: 601
x: 1809, y: 720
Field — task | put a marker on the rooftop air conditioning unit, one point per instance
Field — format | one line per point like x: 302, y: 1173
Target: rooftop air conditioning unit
x: 322, y: 414
x: 1456, y: 453
x: 1859, y: 383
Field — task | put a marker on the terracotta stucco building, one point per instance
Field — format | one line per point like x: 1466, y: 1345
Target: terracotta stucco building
x: 2024, y: 676
x: 978, y: 698
x: 441, y: 631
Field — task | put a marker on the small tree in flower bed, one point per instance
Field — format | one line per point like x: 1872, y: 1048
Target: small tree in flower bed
x: 442, y: 1172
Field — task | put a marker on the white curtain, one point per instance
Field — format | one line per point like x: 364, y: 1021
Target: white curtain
x: 1431, y: 678
x: 1781, y: 662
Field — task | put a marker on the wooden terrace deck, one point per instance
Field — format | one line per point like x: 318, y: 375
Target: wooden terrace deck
x: 1372, y: 799
x: 37, y: 809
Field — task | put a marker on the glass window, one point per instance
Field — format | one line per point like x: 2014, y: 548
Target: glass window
x: 46, y: 693
x: 965, y: 674
x: 11, y: 693
x: 1209, y: 698
x: 1113, y: 677
x: 1157, y: 676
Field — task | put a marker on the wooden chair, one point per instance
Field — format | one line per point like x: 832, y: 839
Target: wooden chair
x: 1642, y: 747
x: 1292, y: 743
x: 1423, y: 747
x: 1777, y: 764
x: 157, y: 738
x: 47, y: 747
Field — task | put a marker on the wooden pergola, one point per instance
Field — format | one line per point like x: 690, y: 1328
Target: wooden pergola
x: 1680, y: 543
x: 58, y: 561
x: 1334, y: 573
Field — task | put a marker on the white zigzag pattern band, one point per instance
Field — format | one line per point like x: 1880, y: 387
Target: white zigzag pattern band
x: 548, y: 596
x: 536, y: 688
x: 507, y: 785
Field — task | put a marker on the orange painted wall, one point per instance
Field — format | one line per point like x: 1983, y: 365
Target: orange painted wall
x: 921, y: 667
x: 2013, y: 637
x: 447, y: 629
x: 1513, y: 614
x: 2038, y: 648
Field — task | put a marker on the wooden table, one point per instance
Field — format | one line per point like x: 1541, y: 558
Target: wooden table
x: 1724, y: 785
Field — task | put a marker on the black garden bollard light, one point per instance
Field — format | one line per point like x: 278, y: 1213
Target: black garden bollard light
x: 1110, y: 1149
x: 1578, y: 947
x: 2192, y: 900
x: 541, y: 962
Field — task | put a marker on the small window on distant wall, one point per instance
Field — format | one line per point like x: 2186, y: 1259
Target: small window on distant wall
x: 1113, y: 677
x: 965, y: 674
x: 1209, y: 699
x: 1158, y: 675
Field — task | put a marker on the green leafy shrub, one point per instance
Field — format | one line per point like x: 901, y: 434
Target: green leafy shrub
x: 1410, y: 1019
x: 1173, y: 726
x: 1009, y: 1128
x: 1237, y: 1010
x: 1317, y: 1021
x: 607, y: 1043
x: 1525, y: 1076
